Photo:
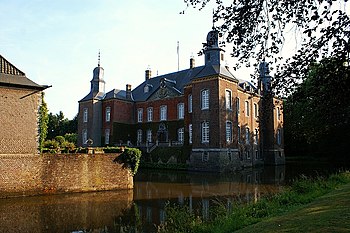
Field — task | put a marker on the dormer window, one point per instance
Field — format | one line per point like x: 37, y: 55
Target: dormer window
x: 147, y: 88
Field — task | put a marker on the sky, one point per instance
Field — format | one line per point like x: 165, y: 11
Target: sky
x: 57, y: 43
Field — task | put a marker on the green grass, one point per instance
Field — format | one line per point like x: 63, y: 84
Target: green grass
x: 294, y: 201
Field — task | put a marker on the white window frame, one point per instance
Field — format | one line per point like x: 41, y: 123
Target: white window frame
x: 150, y: 114
x: 205, y: 132
x: 247, y: 135
x: 278, y: 113
x: 190, y: 133
x: 181, y: 111
x: 256, y: 110
x: 84, y: 136
x: 107, y: 136
x: 256, y: 136
x: 108, y: 114
x: 139, y: 135
x: 239, y: 134
x: 228, y: 99
x: 190, y: 103
x: 180, y: 134
x: 228, y: 131
x: 247, y: 112
x: 85, y: 115
x: 163, y: 112
x: 149, y: 135
x: 139, y: 115
x: 278, y: 137
x: 205, y: 99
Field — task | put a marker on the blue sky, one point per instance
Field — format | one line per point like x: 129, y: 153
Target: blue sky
x: 57, y: 42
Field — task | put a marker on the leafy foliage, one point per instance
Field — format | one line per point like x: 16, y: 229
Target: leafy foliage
x: 318, y: 112
x: 59, y: 125
x: 130, y: 158
x: 43, y: 121
x: 258, y: 31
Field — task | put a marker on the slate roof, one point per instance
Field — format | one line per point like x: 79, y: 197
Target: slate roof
x: 177, y: 80
x: 13, y: 77
x: 90, y: 96
x: 117, y: 94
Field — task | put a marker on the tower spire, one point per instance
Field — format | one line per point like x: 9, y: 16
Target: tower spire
x: 99, y: 58
x: 213, y: 20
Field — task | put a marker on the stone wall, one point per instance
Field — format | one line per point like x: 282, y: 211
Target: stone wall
x: 18, y: 120
x: 22, y: 175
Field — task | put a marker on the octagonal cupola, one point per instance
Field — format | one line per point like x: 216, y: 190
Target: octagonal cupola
x: 97, y: 82
x: 214, y: 55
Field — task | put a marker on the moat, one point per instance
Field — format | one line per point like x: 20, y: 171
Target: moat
x: 143, y: 208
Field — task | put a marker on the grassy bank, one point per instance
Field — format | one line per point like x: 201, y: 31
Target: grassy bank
x: 272, y: 211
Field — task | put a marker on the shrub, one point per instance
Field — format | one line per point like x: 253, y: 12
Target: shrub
x: 60, y: 140
x: 71, y: 137
x: 112, y: 150
x: 51, y: 144
x: 130, y: 158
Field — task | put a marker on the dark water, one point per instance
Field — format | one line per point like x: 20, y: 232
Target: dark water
x: 142, y: 209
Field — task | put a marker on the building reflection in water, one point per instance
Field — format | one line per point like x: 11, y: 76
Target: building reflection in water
x: 141, y: 209
x: 200, y: 192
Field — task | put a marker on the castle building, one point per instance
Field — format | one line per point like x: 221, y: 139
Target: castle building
x: 225, y: 122
x: 20, y: 99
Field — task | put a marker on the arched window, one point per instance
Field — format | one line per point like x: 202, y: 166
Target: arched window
x: 247, y: 135
x: 228, y: 99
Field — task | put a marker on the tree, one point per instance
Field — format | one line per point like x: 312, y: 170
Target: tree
x: 59, y: 125
x: 257, y: 30
x: 318, y: 112
x: 43, y: 121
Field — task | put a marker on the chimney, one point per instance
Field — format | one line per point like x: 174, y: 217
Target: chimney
x: 148, y: 74
x: 128, y: 91
x: 192, y: 63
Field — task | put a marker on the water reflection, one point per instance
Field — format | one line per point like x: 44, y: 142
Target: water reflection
x: 200, y: 191
x: 88, y: 212
x: 138, y: 210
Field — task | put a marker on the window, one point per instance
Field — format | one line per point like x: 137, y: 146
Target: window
x: 84, y: 136
x: 163, y: 113
x: 247, y: 108
x: 139, y: 114
x: 228, y: 99
x: 190, y: 133
x: 107, y: 132
x: 247, y: 135
x: 228, y: 131
x: 239, y: 133
x: 205, y: 156
x: 149, y: 135
x: 190, y: 103
x: 150, y: 114
x: 205, y: 99
x: 139, y: 136
x: 256, y: 111
x: 108, y: 114
x: 278, y: 112
x: 256, y: 136
x: 85, y: 115
x: 279, y: 137
x: 237, y: 105
x: 205, y: 132
x: 180, y: 134
x: 180, y: 111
